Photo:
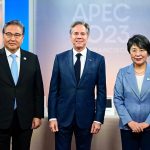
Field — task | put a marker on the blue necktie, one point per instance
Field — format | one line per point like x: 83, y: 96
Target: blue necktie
x: 14, y: 72
x: 77, y: 67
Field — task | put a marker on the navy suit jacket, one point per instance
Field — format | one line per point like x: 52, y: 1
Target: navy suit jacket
x: 67, y: 98
x: 130, y: 104
x: 28, y: 91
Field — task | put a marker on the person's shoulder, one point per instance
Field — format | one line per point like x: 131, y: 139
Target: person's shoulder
x: 28, y: 53
x: 64, y: 53
x: 95, y: 54
x: 125, y: 70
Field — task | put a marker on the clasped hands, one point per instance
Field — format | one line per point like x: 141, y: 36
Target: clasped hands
x: 138, y: 127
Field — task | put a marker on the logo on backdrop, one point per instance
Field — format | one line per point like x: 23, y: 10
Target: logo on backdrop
x: 109, y: 23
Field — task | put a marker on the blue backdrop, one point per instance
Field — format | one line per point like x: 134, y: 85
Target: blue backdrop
x: 19, y: 10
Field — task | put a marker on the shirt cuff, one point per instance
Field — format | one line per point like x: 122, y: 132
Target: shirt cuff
x: 52, y: 119
x: 97, y: 122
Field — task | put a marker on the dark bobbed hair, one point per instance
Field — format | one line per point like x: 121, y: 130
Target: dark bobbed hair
x: 86, y: 25
x: 14, y: 22
x: 139, y: 40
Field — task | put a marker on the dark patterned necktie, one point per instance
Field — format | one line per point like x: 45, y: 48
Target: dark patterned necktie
x: 77, y: 67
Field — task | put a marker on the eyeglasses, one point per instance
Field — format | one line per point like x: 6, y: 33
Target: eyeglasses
x: 10, y: 35
x: 135, y: 51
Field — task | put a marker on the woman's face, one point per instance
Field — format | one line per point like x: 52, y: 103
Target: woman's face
x: 138, y: 55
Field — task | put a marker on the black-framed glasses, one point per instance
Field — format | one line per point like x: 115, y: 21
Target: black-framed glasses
x: 10, y: 35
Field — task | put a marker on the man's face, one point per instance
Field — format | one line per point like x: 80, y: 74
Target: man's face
x: 13, y: 38
x: 79, y: 37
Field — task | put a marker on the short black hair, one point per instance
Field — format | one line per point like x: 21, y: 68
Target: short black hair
x: 86, y: 25
x: 14, y: 22
x: 139, y: 40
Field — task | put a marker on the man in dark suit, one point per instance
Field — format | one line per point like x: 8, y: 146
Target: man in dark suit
x: 21, y: 90
x: 72, y: 107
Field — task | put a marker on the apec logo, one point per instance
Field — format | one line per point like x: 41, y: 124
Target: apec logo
x: 109, y: 22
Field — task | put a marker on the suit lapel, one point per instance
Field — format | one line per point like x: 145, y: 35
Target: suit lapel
x: 132, y: 80
x: 23, y: 61
x: 146, y: 81
x: 71, y: 65
x: 5, y: 65
x: 89, y: 60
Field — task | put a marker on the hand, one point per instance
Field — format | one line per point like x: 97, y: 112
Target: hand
x: 135, y: 126
x: 95, y: 127
x: 53, y: 125
x: 144, y: 125
x: 36, y: 122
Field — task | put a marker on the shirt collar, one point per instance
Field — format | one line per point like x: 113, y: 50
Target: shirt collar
x: 83, y: 52
x: 17, y: 53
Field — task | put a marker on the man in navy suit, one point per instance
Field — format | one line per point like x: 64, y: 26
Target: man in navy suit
x: 77, y: 75
x: 21, y: 90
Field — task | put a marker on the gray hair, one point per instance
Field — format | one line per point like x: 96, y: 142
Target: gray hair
x: 86, y: 25
x: 14, y: 22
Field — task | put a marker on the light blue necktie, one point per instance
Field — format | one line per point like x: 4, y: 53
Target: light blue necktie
x: 14, y: 72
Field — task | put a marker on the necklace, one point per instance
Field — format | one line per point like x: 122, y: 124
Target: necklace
x: 140, y: 73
